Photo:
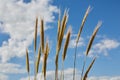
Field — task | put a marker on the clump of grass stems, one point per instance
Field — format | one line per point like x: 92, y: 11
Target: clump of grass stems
x: 90, y: 45
x: 60, y: 39
x: 65, y: 50
x: 44, y: 50
x: 35, y: 45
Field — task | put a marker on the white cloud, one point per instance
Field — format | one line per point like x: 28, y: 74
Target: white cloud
x: 3, y: 77
x: 104, y: 46
x: 104, y: 78
x: 68, y: 75
x: 50, y: 75
x: 18, y: 20
x: 11, y: 68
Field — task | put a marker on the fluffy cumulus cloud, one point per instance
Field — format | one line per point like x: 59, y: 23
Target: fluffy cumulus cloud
x: 11, y: 68
x: 3, y: 77
x: 68, y: 75
x: 104, y: 78
x: 17, y: 19
x: 50, y: 75
x: 104, y: 46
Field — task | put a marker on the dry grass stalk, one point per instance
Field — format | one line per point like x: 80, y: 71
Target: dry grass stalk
x: 60, y: 37
x: 92, y: 37
x: 66, y: 44
x: 62, y: 30
x: 38, y: 59
x: 78, y: 36
x: 88, y: 69
x: 83, y: 22
x: 65, y: 51
x: 90, y: 44
x: 46, y: 52
x: 35, y: 35
x: 42, y: 35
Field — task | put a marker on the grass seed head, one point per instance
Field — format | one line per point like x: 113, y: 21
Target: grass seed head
x: 83, y: 22
x: 92, y: 37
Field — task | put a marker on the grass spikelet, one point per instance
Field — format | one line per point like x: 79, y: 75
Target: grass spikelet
x: 92, y: 37
x: 66, y: 44
x: 83, y: 22
x: 45, y: 60
x: 88, y: 69
x: 35, y: 35
x: 38, y: 59
x: 42, y: 35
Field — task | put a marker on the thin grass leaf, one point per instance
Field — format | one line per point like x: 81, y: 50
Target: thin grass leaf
x: 88, y: 69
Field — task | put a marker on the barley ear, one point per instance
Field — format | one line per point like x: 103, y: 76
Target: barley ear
x: 35, y: 35
x: 88, y: 69
x: 92, y: 37
x: 42, y: 35
x: 83, y: 22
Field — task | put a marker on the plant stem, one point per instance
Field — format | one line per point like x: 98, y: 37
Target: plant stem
x: 35, y: 65
x: 83, y: 66
x: 28, y: 76
x: 75, y: 61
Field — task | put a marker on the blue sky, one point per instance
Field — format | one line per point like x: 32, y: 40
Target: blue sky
x: 17, y: 20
